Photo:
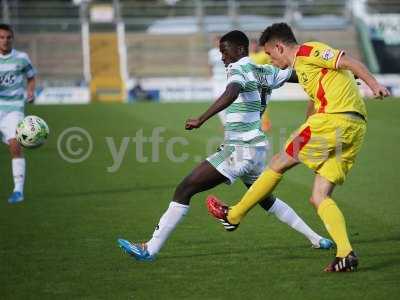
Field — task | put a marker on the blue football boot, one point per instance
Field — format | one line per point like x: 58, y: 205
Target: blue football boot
x: 135, y: 250
x: 16, y: 197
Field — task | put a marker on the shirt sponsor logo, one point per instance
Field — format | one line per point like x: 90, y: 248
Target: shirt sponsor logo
x: 7, y: 79
x: 328, y: 54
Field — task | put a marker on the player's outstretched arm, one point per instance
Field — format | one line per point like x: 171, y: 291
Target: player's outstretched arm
x: 231, y: 93
x: 30, y: 89
x: 361, y: 71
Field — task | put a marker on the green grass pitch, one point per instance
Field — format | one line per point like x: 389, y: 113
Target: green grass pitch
x: 61, y: 242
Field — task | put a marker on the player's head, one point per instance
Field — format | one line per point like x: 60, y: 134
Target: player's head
x: 233, y: 46
x: 6, y: 38
x: 279, y: 41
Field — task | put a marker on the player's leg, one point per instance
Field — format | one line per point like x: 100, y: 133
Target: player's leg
x: 18, y: 171
x: 286, y: 214
x: 271, y: 204
x: 9, y: 126
x: 262, y: 187
x: 204, y: 177
x: 349, y: 135
x: 334, y: 222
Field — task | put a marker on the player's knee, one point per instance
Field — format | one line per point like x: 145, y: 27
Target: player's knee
x: 316, y: 199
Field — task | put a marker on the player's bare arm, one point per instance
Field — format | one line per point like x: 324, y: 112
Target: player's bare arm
x: 30, y: 89
x: 361, y: 71
x: 231, y: 93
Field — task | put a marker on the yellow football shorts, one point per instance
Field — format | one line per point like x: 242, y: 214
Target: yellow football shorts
x: 328, y: 144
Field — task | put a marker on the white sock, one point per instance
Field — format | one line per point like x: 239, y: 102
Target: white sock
x: 287, y: 215
x: 18, y: 171
x: 166, y: 225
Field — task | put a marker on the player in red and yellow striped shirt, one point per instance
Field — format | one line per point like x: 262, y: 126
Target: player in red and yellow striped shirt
x: 328, y: 142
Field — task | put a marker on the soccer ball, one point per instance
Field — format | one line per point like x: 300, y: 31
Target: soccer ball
x: 32, y: 132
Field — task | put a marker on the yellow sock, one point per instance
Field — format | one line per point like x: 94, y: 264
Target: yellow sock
x: 260, y: 189
x: 336, y: 226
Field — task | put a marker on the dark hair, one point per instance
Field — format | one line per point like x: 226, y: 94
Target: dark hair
x: 6, y: 27
x: 278, y: 31
x: 237, y: 38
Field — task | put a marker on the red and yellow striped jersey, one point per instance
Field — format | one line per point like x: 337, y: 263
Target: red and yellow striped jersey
x: 332, y: 90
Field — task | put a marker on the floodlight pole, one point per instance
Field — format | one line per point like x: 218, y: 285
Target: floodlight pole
x: 85, y: 32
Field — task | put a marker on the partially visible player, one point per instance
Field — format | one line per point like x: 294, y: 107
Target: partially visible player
x: 258, y: 55
x: 243, y: 155
x: 328, y: 142
x: 15, y: 69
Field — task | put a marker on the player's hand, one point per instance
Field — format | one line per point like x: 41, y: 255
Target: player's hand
x: 380, y: 91
x: 192, y: 123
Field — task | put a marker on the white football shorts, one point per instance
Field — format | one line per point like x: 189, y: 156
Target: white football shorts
x: 8, y: 124
x: 246, y: 163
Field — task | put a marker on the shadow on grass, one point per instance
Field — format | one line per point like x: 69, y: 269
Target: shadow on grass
x: 384, y: 239
x: 273, y: 251
x: 379, y: 266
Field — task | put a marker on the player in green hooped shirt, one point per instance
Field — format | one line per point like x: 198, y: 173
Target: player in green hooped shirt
x: 17, y: 85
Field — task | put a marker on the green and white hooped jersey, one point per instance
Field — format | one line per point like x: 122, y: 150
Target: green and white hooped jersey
x: 15, y: 67
x: 243, y: 116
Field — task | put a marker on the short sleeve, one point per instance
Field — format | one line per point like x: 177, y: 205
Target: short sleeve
x: 323, y: 56
x: 28, y: 68
x: 236, y: 76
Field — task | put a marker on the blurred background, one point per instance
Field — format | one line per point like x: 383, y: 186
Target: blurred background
x: 159, y: 50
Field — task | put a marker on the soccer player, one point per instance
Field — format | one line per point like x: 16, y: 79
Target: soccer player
x: 243, y: 155
x: 15, y: 67
x: 329, y: 140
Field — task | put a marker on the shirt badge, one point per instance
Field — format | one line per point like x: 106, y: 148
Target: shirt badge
x: 328, y: 54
